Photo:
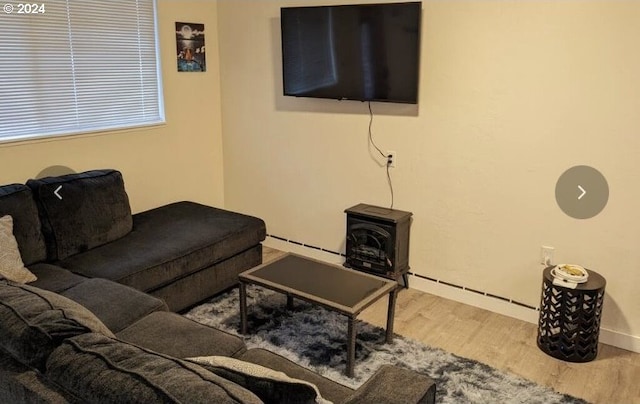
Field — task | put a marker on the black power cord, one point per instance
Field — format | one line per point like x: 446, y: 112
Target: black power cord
x: 387, y: 157
x: 371, y: 136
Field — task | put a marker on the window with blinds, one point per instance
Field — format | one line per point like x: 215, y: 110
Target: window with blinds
x: 78, y: 66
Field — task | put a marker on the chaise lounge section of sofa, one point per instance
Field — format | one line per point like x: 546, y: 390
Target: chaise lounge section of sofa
x: 182, y: 252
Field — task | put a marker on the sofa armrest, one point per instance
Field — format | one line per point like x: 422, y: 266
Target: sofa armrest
x: 392, y: 384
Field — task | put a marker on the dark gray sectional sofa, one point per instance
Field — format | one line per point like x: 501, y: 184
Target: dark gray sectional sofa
x: 99, y: 323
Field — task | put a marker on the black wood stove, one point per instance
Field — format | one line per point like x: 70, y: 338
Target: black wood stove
x: 378, y: 241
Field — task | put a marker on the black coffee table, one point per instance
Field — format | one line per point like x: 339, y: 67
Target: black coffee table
x: 334, y: 287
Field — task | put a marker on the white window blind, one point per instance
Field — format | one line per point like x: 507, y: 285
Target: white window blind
x: 77, y: 67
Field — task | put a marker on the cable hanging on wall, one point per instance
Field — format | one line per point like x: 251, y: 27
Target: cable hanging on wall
x: 385, y: 156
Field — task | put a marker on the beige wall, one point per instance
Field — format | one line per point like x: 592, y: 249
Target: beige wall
x: 181, y: 160
x: 512, y: 94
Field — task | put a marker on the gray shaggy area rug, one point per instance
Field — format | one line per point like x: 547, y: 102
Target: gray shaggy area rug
x: 316, y: 339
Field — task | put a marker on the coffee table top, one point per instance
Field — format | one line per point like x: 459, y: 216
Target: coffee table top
x: 338, y: 288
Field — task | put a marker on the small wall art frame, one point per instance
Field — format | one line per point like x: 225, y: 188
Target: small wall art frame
x: 190, y: 47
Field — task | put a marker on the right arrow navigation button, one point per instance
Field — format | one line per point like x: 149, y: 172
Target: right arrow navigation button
x: 582, y: 192
x: 592, y: 195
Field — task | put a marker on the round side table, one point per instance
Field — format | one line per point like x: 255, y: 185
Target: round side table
x: 569, y: 323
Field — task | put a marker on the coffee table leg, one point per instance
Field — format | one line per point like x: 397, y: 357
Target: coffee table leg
x: 391, y: 313
x: 243, y: 308
x: 351, y: 347
x: 289, y: 302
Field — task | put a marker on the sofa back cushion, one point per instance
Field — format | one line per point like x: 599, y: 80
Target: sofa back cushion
x: 17, y: 201
x: 97, y: 368
x: 33, y: 322
x: 82, y: 211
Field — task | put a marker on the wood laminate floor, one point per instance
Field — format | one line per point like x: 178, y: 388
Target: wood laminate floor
x: 506, y: 343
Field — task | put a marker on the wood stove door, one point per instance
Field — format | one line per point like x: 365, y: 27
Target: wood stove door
x: 370, y: 247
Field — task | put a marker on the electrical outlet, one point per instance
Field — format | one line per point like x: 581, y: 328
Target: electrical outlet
x: 391, y: 159
x: 546, y: 255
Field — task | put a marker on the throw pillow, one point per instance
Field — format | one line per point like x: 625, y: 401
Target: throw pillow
x: 270, y: 385
x: 17, y: 200
x: 11, y: 265
x: 33, y: 322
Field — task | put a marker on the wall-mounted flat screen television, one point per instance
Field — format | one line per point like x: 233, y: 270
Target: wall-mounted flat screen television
x: 365, y: 52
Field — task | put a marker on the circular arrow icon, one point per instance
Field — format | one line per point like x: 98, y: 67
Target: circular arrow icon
x: 582, y: 192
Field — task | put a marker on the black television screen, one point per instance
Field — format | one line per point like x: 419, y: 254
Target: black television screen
x: 367, y: 52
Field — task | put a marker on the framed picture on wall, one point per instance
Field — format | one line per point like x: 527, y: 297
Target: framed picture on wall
x: 190, y: 47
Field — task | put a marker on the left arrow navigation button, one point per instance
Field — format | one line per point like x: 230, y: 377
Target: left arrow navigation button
x: 57, y: 192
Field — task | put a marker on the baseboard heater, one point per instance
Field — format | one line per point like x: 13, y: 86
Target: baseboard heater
x: 449, y: 284
x: 313, y: 247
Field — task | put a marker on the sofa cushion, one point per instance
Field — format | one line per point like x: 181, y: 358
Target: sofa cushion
x: 101, y: 369
x: 17, y: 200
x: 117, y: 306
x: 159, y: 332
x: 11, y: 265
x: 33, y: 322
x: 92, y: 210
x: 190, y: 290
x: 54, y: 278
x: 270, y: 385
x: 383, y: 387
x: 168, y: 243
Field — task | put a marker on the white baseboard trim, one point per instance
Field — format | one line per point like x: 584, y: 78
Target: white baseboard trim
x: 620, y: 340
x: 514, y: 310
x: 493, y: 304
x: 487, y: 302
